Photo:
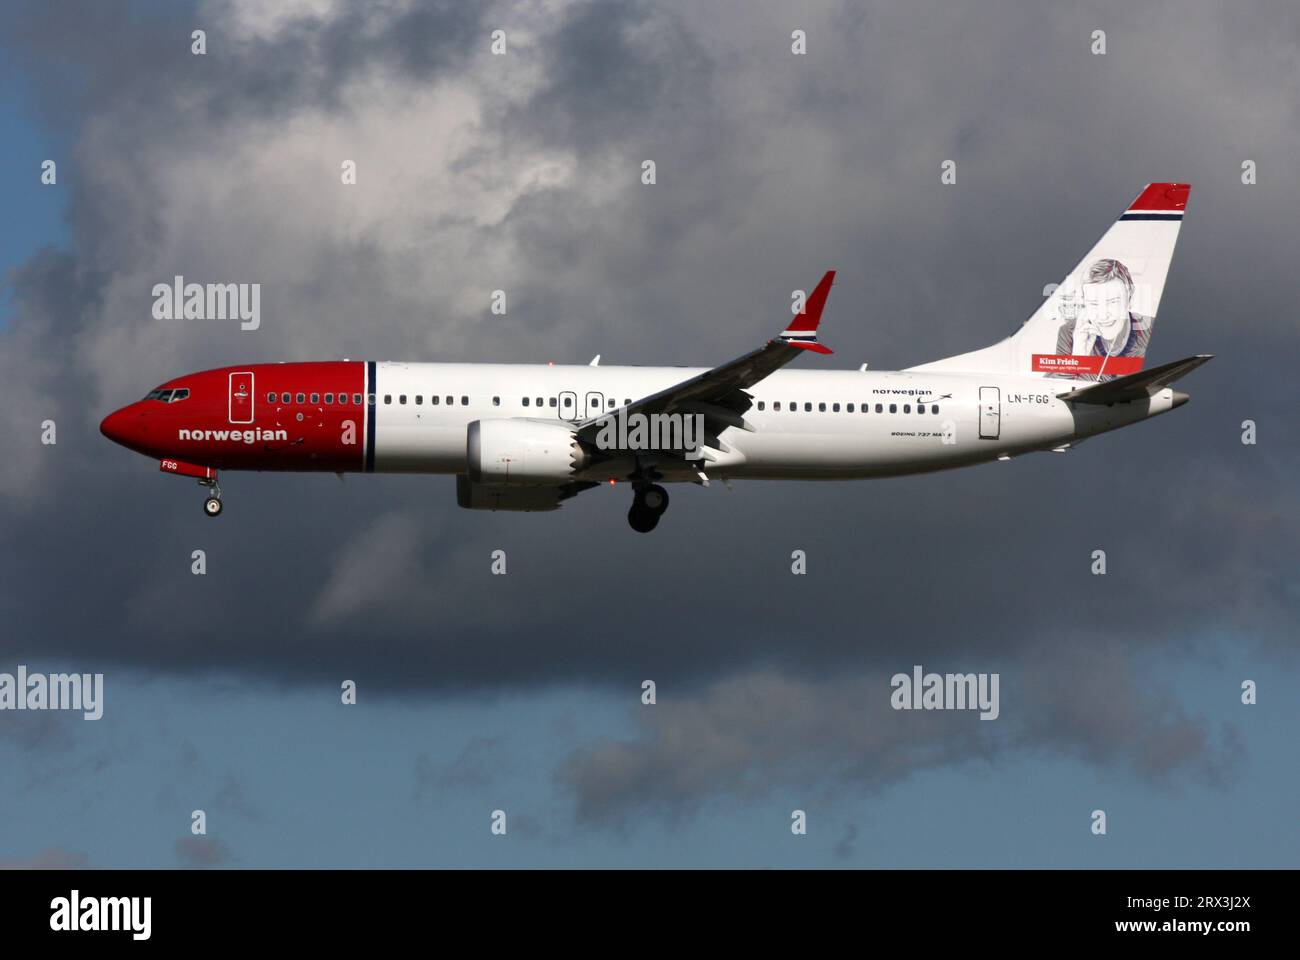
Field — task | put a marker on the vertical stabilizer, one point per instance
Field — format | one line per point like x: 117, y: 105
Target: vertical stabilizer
x: 1098, y: 322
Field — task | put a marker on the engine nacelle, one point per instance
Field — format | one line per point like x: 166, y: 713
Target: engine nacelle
x: 522, y: 453
x: 495, y: 496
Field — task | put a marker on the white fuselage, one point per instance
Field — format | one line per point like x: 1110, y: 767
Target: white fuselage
x: 805, y: 424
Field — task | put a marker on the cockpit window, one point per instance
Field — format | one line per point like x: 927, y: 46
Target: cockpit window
x: 168, y: 396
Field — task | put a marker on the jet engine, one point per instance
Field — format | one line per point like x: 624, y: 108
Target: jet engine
x: 522, y: 453
x: 495, y: 496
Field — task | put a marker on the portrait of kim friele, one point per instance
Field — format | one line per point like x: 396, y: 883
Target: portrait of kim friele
x: 1098, y: 318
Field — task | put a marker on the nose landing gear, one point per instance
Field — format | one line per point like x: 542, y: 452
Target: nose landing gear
x: 648, y: 504
x: 212, y: 505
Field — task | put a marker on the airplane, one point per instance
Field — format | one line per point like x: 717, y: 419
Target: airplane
x: 528, y: 437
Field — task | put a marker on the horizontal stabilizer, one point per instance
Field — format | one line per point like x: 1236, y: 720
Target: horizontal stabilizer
x: 1136, y: 386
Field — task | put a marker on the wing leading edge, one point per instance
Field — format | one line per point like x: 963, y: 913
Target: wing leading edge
x: 720, y: 394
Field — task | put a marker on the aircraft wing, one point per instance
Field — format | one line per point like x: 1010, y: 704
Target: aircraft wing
x: 720, y: 394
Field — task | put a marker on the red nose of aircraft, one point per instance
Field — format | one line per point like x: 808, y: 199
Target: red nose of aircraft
x: 128, y: 426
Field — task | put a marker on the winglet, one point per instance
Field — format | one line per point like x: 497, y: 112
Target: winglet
x: 802, y: 332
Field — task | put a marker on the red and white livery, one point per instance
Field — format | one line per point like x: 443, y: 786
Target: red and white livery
x: 529, y: 436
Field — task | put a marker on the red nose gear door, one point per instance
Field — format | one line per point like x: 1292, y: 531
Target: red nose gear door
x: 241, y: 398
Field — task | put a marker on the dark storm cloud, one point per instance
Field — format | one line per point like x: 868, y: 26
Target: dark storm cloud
x: 748, y: 734
x: 771, y: 169
x: 87, y: 55
x: 613, y: 72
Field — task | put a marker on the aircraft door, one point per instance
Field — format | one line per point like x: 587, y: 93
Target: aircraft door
x: 568, y: 408
x: 595, y: 405
x: 990, y: 413
x: 241, y: 398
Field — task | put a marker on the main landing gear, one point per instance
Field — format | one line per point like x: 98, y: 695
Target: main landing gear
x: 648, y: 504
x: 212, y: 505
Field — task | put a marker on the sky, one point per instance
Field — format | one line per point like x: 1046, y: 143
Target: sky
x: 523, y: 693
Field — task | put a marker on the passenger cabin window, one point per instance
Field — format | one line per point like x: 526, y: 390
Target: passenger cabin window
x: 285, y: 398
x: 496, y: 401
x: 356, y: 398
x: 419, y: 399
x: 552, y: 401
x: 934, y: 408
x: 525, y: 401
x: 907, y: 408
x: 302, y: 398
x: 433, y: 401
x: 776, y: 405
x: 401, y: 398
x: 893, y: 408
x: 807, y: 408
x: 329, y: 398
x: 568, y: 402
x: 315, y: 398
x: 388, y: 398
x: 879, y: 408
x: 464, y: 401
x: 540, y: 403
x: 849, y: 409
x: 370, y: 399
x: 835, y: 408
x: 761, y: 405
x: 821, y: 407
x: 270, y: 398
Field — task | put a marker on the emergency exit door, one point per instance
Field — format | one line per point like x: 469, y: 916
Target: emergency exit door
x: 990, y: 413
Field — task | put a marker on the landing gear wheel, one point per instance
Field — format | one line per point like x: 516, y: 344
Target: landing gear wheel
x: 655, y: 499
x: 212, y: 505
x: 648, y: 505
x: 641, y: 519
